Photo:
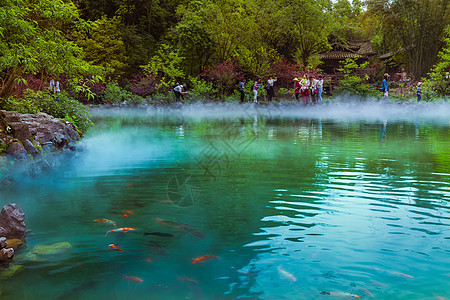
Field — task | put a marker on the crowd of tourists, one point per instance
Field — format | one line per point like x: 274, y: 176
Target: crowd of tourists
x: 307, y: 88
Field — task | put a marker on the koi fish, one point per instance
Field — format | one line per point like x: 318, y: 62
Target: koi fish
x: 129, y: 211
x: 114, y: 247
x: 341, y: 294
x: 105, y: 221
x: 196, y: 233
x: 401, y: 274
x: 184, y: 278
x: 366, y: 291
x: 138, y: 203
x: 286, y: 274
x: 439, y: 297
x: 130, y: 184
x: 376, y: 283
x: 149, y: 259
x: 133, y: 278
x: 123, y: 229
x: 124, y: 214
x: 159, y: 234
x: 159, y: 250
x: 171, y: 223
x: 203, y: 258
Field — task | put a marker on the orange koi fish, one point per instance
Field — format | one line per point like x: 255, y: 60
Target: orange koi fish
x: 439, y: 297
x: 105, y: 221
x: 128, y: 211
x: 286, y: 274
x: 149, y: 259
x: 203, y: 258
x: 114, y: 247
x: 341, y: 294
x: 123, y: 229
x: 133, y: 278
x: 130, y: 184
x: 124, y: 214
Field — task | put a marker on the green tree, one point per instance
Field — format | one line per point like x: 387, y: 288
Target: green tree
x: 413, y: 30
x: 103, y: 45
x: 439, y: 75
x: 33, y: 41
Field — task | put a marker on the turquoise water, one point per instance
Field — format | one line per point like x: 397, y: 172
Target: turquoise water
x: 295, y: 202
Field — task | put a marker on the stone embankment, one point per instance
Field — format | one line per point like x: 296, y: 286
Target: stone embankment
x: 28, y: 134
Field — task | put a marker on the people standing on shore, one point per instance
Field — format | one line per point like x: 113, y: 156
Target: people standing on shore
x: 178, y: 91
x: 319, y: 86
x: 419, y: 91
x: 305, y: 89
x: 241, y: 89
x: 385, y: 86
x: 270, y: 90
x: 312, y: 88
x: 297, y: 87
x: 52, y: 85
x: 255, y: 88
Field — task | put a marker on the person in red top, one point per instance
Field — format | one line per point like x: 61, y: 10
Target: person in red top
x: 297, y: 87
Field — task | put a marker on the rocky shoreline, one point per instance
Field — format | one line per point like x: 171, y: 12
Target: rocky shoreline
x: 30, y: 134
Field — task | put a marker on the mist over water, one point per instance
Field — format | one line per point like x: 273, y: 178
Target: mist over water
x: 296, y: 201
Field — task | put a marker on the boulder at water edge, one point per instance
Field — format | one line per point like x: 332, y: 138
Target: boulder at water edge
x: 11, y: 222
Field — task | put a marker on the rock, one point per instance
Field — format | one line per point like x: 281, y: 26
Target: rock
x: 14, y: 243
x: 11, y: 271
x: 6, y: 254
x: 3, y: 242
x: 30, y: 147
x: 44, y: 252
x: 40, y: 127
x: 17, y: 151
x: 11, y: 222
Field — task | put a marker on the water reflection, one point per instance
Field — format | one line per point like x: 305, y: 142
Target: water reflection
x: 339, y: 205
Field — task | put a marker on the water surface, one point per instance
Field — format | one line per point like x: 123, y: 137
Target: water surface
x: 296, y: 202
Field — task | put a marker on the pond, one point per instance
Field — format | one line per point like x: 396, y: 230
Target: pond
x: 243, y: 202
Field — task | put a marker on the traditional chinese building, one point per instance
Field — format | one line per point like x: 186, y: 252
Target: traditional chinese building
x: 361, y: 51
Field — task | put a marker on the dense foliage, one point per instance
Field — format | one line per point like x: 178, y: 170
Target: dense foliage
x: 135, y: 51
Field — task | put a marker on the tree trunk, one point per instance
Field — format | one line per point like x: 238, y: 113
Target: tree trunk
x: 9, y: 86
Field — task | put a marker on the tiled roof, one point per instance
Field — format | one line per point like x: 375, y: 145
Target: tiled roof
x: 353, y: 49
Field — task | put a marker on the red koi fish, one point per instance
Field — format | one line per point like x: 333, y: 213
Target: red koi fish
x: 129, y: 211
x: 105, y: 221
x: 124, y: 214
x: 133, y: 278
x: 123, y: 229
x: 203, y: 258
x: 114, y: 247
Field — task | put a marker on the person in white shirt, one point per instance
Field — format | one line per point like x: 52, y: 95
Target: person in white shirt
x: 313, y: 88
x: 319, y: 86
x: 270, y: 90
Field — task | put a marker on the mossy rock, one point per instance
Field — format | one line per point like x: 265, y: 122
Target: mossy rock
x: 11, y: 271
x: 14, y: 243
x: 43, y: 252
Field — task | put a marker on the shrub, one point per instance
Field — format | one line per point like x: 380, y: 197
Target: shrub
x: 201, y: 89
x: 60, y: 106
x: 354, y: 85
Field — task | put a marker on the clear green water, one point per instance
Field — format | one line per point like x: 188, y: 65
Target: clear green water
x: 344, y: 198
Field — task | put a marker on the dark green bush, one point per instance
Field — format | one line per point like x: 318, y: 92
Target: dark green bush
x: 59, y: 105
x: 354, y: 85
